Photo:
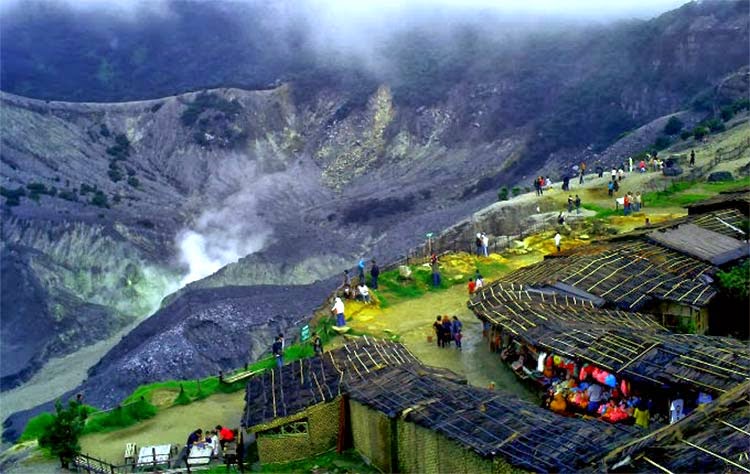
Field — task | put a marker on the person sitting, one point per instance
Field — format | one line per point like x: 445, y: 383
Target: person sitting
x: 472, y: 286
x: 641, y: 414
x: 225, y: 435
x: 194, y: 438
x: 558, y: 404
x: 363, y: 293
x: 595, y: 396
x: 215, y: 443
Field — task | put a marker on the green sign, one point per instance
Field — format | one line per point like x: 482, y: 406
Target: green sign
x: 305, y: 332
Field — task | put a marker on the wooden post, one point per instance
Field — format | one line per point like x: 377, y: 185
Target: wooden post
x: 153, y: 457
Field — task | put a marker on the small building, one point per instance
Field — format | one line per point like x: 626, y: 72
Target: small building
x: 715, y: 438
x: 295, y: 411
x: 628, y: 344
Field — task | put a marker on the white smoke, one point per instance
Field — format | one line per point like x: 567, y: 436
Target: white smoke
x: 221, y: 236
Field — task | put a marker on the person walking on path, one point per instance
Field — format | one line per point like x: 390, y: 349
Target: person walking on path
x: 570, y: 203
x: 610, y: 188
x: 435, y: 273
x: 338, y: 310
x: 578, y: 204
x: 278, y: 351
x: 630, y: 164
x: 560, y: 219
x: 447, y: 331
x: 438, y: 327
x: 692, y: 158
x: 374, y: 274
x: 558, y: 238
x: 637, y: 201
x: 457, y: 325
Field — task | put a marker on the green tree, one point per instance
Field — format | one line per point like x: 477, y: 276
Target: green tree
x: 502, y: 194
x: 62, y: 435
x: 673, y: 126
x: 736, y: 282
x: 700, y: 132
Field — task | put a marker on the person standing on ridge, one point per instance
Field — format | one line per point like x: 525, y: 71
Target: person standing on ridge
x: 435, y: 271
x: 578, y: 204
x: 692, y: 158
x: 558, y: 238
x: 317, y: 344
x: 361, y: 268
x: 374, y: 274
x: 278, y: 351
x: 485, y: 244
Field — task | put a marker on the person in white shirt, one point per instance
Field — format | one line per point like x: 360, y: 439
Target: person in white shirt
x: 338, y: 310
x: 558, y: 238
x: 363, y: 293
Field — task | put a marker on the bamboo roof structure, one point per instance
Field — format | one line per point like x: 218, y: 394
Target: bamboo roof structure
x: 285, y: 391
x: 729, y: 222
x: 699, y: 242
x: 628, y: 344
x: 491, y: 423
x: 627, y: 274
x: 714, y: 438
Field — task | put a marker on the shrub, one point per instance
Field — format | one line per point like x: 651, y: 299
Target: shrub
x: 12, y: 196
x: 502, y: 194
x: 103, y: 130
x: 206, y: 101
x: 85, y: 189
x: 662, y: 142
x: 741, y: 104
x: 121, y: 149
x: 68, y: 195
x: 715, y: 125
x: 120, y: 417
x: 516, y: 190
x: 99, y: 199
x: 736, y: 281
x: 685, y: 134
x: 727, y: 113
x: 114, y: 173
x: 182, y: 398
x: 673, y: 126
x: 700, y: 132
x: 134, y: 182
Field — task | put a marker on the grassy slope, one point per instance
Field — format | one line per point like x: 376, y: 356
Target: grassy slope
x: 407, y: 308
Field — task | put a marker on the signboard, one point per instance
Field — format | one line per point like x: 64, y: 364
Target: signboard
x: 305, y: 332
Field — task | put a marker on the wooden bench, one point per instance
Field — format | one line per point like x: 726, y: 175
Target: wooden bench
x: 130, y: 453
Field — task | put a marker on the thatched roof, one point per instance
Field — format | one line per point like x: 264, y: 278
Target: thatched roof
x: 701, y: 243
x: 626, y: 274
x: 490, y: 423
x: 729, y: 222
x: 714, y: 438
x: 630, y: 344
x: 739, y: 200
x: 288, y: 390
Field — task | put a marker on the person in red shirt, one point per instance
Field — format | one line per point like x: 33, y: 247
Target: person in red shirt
x: 472, y: 285
x: 225, y: 435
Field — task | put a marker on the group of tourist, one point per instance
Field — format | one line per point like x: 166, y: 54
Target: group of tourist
x: 216, y: 439
x: 448, y: 330
x: 360, y: 291
x: 541, y: 184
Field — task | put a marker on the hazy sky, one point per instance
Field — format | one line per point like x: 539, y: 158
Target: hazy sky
x: 365, y: 8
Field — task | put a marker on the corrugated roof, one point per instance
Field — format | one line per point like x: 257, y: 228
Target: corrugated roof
x: 699, y: 242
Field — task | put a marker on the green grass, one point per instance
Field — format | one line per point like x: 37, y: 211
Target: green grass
x: 348, y: 461
x: 601, y: 212
x: 137, y: 406
x: 491, y: 268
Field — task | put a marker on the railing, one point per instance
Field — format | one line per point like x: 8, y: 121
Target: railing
x: 732, y: 153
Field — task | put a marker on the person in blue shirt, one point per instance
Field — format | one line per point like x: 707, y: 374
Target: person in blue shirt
x: 361, y: 267
x: 457, y: 325
x: 278, y: 351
